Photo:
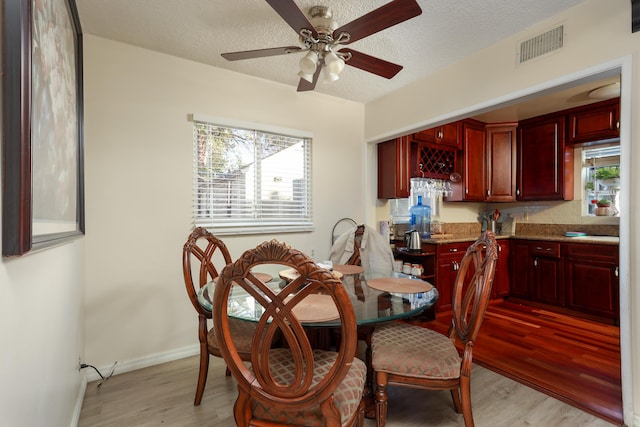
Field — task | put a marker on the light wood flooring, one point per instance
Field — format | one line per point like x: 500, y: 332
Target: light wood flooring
x: 162, y: 395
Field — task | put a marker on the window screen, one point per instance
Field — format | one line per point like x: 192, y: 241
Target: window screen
x: 250, y: 181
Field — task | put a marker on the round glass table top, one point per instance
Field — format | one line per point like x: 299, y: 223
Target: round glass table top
x: 371, y: 305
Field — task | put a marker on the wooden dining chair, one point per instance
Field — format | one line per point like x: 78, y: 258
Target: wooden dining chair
x: 418, y: 357
x: 293, y: 384
x: 200, y: 253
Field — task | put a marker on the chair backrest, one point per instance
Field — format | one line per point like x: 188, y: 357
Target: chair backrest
x: 200, y: 253
x: 292, y: 389
x: 472, y: 288
x: 357, y: 242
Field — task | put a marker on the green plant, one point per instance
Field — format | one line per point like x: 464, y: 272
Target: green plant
x: 590, y: 185
x: 608, y: 172
x: 604, y: 203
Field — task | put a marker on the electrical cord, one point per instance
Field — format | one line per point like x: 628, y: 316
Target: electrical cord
x: 102, y: 377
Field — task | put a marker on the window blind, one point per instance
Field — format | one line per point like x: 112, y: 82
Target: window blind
x: 251, y: 181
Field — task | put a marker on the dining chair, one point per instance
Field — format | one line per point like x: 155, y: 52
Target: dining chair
x: 200, y: 253
x: 418, y: 357
x: 292, y: 384
x: 363, y: 245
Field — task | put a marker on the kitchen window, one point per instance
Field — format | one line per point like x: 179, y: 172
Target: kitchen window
x: 249, y: 181
x: 601, y: 172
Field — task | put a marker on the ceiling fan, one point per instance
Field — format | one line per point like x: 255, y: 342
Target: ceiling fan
x: 322, y: 39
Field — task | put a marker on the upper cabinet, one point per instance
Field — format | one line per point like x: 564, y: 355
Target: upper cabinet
x: 545, y: 162
x: 446, y: 134
x: 501, y: 162
x: 594, y: 122
x: 393, y: 168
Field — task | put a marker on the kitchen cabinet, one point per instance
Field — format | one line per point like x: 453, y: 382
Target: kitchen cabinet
x: 501, y: 162
x: 501, y: 279
x: 577, y: 278
x: 591, y: 279
x: 545, y: 162
x: 447, y: 134
x: 393, y: 168
x: 545, y: 272
x: 470, y: 163
x: 448, y: 261
x: 594, y: 122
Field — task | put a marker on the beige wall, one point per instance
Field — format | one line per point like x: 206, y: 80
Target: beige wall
x: 599, y: 38
x: 139, y: 187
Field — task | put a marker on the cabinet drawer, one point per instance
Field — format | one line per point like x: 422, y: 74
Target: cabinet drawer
x: 452, y: 249
x: 546, y: 249
x: 606, y: 253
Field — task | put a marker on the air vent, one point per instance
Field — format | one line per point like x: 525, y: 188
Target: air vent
x: 542, y: 44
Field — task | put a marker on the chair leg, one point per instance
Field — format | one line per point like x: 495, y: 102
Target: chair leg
x: 465, y: 389
x: 381, y: 398
x: 455, y: 395
x: 202, y: 374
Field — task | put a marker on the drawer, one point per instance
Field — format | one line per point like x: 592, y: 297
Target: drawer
x: 545, y: 249
x: 606, y: 253
x: 453, y: 248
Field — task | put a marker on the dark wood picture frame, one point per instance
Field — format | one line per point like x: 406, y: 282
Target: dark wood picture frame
x: 42, y: 116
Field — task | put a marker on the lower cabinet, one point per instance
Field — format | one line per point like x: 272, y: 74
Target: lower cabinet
x: 592, y: 281
x: 577, y: 277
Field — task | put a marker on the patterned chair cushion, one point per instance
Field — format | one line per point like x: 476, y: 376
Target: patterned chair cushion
x: 346, y: 397
x: 413, y: 351
x: 241, y: 331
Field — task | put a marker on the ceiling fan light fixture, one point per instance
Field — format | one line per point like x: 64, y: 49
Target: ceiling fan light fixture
x: 333, y: 62
x: 308, y: 63
x: 307, y: 77
x: 328, y: 76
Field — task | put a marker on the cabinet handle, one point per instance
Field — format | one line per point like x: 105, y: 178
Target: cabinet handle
x: 456, y: 266
x: 617, y: 272
x: 488, y: 192
x: 535, y: 262
x: 440, y: 134
x: 517, y: 192
x: 618, y: 124
x: 453, y: 250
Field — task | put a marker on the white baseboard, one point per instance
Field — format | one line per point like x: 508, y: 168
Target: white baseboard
x: 143, y: 362
x: 79, y: 399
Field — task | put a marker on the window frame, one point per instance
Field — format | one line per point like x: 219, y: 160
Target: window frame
x: 259, y: 224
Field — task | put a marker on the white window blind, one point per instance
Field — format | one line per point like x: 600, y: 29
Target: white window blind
x: 251, y: 181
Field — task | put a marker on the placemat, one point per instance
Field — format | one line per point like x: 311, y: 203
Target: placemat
x: 348, y: 268
x: 399, y: 285
x: 316, y: 308
x: 290, y: 274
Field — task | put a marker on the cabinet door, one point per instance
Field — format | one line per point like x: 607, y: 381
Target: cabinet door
x: 501, y: 163
x: 545, y: 165
x: 474, y: 172
x: 592, y: 287
x: 445, y: 134
x: 594, y: 122
x: 448, y: 264
x: 501, y: 279
x: 393, y: 168
x: 519, y: 263
x: 546, y: 280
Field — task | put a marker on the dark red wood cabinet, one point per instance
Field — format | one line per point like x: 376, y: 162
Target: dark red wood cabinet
x: 447, y: 134
x: 545, y: 162
x: 594, y: 122
x: 448, y: 260
x: 393, y: 168
x: 591, y: 279
x: 501, y: 279
x: 501, y: 162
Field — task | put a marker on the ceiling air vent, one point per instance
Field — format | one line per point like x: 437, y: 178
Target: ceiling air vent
x: 542, y: 44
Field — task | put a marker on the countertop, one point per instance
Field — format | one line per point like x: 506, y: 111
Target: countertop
x: 601, y: 240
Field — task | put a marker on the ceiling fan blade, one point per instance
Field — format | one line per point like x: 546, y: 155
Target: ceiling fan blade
x: 260, y: 53
x: 292, y: 15
x: 304, y: 85
x: 379, y: 19
x: 371, y: 64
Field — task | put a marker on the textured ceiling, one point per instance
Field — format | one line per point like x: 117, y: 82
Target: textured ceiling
x: 200, y: 30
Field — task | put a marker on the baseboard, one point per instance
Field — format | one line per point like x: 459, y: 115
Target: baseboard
x: 79, y: 399
x: 143, y: 362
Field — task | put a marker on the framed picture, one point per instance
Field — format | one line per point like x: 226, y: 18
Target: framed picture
x: 43, y: 176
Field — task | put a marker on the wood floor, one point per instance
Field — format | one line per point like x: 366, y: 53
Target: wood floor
x: 574, y: 360
x: 511, y: 337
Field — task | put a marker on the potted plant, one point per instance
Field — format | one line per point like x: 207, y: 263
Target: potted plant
x: 609, y: 176
x: 604, y: 203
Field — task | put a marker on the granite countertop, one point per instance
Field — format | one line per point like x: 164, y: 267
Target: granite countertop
x: 603, y: 240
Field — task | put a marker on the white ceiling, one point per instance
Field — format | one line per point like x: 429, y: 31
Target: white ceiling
x: 200, y: 30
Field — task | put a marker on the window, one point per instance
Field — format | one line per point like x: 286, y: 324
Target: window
x: 601, y: 172
x: 251, y: 181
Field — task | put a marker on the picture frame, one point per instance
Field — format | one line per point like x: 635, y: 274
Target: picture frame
x: 42, y: 123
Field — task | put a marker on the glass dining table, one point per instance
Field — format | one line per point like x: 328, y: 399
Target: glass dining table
x: 376, y: 296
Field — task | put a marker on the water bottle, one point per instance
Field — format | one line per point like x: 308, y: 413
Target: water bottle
x: 421, y: 219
